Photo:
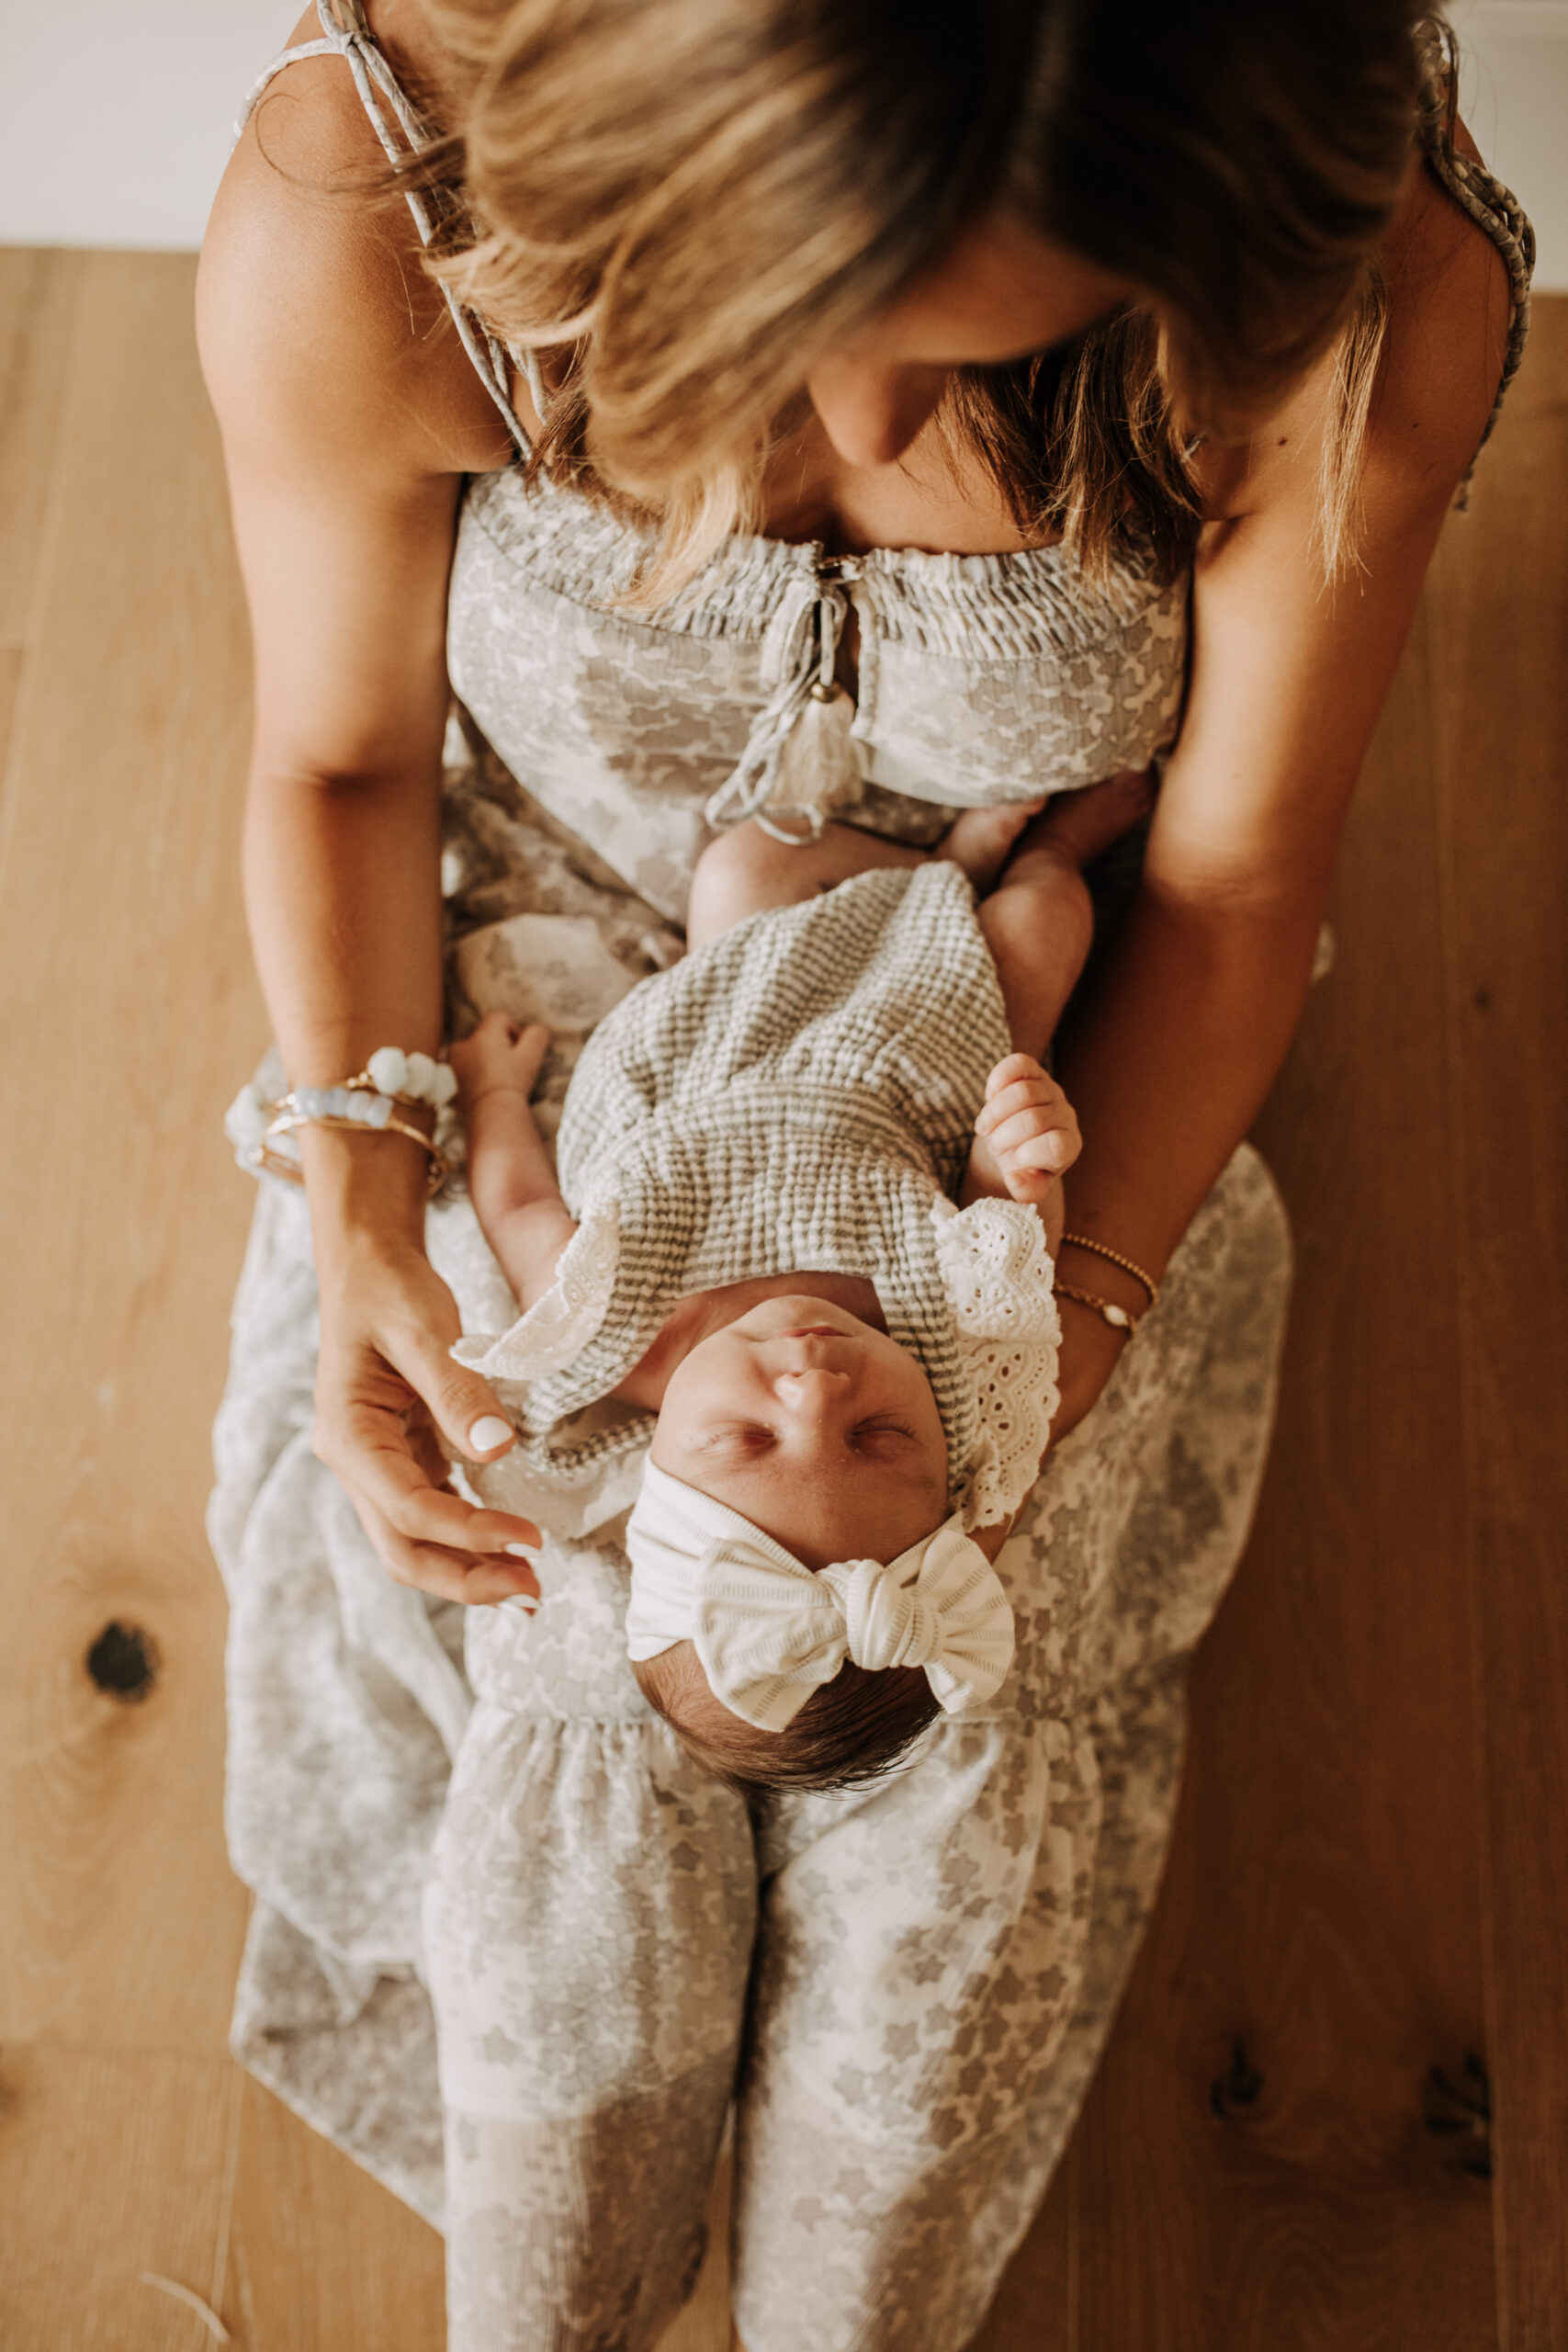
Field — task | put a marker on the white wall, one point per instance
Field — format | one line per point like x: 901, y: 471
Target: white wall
x: 115, y: 115
x: 1514, y: 94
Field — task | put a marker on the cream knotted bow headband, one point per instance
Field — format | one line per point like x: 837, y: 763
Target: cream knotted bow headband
x: 768, y: 1632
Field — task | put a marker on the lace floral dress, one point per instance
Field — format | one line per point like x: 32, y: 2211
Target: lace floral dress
x: 510, y: 1945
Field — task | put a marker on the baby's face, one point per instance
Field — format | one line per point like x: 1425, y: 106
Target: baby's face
x: 820, y: 1429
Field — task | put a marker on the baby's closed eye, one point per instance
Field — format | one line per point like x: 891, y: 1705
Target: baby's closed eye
x: 882, y: 1435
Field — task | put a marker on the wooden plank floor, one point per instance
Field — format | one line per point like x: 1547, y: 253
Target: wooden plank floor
x: 1368, y: 1879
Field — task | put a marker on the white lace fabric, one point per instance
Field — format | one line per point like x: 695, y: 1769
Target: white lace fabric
x: 557, y: 1327
x: 999, y: 1281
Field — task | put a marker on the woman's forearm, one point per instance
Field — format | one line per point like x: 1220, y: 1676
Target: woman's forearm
x: 1175, y: 1053
x: 341, y: 889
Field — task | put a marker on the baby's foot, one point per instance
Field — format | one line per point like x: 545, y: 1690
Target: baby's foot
x: 500, y: 1057
x: 981, y: 840
x: 1078, y: 825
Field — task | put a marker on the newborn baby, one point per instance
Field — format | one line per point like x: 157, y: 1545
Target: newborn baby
x: 793, y: 1106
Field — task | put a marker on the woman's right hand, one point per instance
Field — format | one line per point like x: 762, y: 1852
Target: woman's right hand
x: 392, y: 1405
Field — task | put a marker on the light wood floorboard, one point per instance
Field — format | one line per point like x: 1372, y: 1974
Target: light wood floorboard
x: 38, y: 299
x: 1368, y: 1879
x: 1499, y: 627
x: 112, y: 2163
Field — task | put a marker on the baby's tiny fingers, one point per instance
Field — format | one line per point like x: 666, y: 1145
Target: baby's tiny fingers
x: 1008, y: 1071
x: 1052, y: 1152
x: 1035, y: 1096
x: 1032, y: 1126
x: 1004, y: 1105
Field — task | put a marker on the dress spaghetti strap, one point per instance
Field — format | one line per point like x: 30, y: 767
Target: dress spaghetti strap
x: 403, y: 131
x: 1495, y: 210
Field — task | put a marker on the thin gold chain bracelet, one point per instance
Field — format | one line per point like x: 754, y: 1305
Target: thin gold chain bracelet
x: 290, y: 1123
x: 1119, y: 1317
x: 1128, y: 1266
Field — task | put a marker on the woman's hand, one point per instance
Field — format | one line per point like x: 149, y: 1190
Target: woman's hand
x: 388, y: 1394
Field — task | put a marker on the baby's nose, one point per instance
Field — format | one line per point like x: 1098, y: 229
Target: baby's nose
x: 812, y: 1388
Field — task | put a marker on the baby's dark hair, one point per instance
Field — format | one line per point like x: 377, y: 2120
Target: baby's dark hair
x: 855, y: 1728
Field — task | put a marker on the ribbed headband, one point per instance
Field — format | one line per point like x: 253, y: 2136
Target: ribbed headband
x: 768, y: 1631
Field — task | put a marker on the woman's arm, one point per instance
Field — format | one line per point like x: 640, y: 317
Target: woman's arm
x: 1184, y: 1035
x: 346, y: 432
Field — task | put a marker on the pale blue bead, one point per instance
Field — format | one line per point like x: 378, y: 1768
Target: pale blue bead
x: 380, y: 1111
x: 312, y: 1101
x: 358, y: 1105
x: 339, y: 1102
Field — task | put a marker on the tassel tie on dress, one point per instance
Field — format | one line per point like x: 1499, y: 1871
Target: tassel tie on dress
x: 801, y: 761
x: 768, y: 1632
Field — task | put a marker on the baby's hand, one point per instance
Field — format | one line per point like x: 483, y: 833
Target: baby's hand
x: 1027, y: 1130
x: 502, y: 1057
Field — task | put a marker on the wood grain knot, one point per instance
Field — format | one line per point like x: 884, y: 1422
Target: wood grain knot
x: 1462, y: 2109
x: 1238, y: 2087
x: 124, y: 1662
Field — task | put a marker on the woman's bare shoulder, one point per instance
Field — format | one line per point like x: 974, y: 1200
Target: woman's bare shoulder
x: 1450, y: 312
x: 315, y: 315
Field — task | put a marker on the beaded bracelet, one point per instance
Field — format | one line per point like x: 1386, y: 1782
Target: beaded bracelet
x: 368, y: 1103
x: 1119, y: 1319
x: 1082, y: 1241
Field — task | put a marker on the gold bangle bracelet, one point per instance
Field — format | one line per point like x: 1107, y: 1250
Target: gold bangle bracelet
x: 1119, y: 1317
x: 1082, y: 1241
x: 291, y: 1123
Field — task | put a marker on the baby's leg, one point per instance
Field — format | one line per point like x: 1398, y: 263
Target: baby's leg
x: 1038, y: 922
x: 746, y: 871
x: 510, y: 1181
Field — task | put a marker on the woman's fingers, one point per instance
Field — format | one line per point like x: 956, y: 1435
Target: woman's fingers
x: 450, y: 1575
x: 375, y: 1458
x: 462, y: 1406
x: 392, y: 1411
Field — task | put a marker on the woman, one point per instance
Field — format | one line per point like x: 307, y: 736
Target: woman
x: 1091, y: 390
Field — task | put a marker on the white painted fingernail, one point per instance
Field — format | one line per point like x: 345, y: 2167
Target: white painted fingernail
x: 488, y: 1432
x: 523, y: 1601
x: 519, y: 1551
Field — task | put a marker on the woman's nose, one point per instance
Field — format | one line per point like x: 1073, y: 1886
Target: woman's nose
x: 870, y: 410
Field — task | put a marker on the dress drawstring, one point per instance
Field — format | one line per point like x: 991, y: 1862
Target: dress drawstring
x: 801, y: 761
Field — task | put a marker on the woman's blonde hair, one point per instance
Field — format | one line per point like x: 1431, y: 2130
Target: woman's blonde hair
x: 689, y: 201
